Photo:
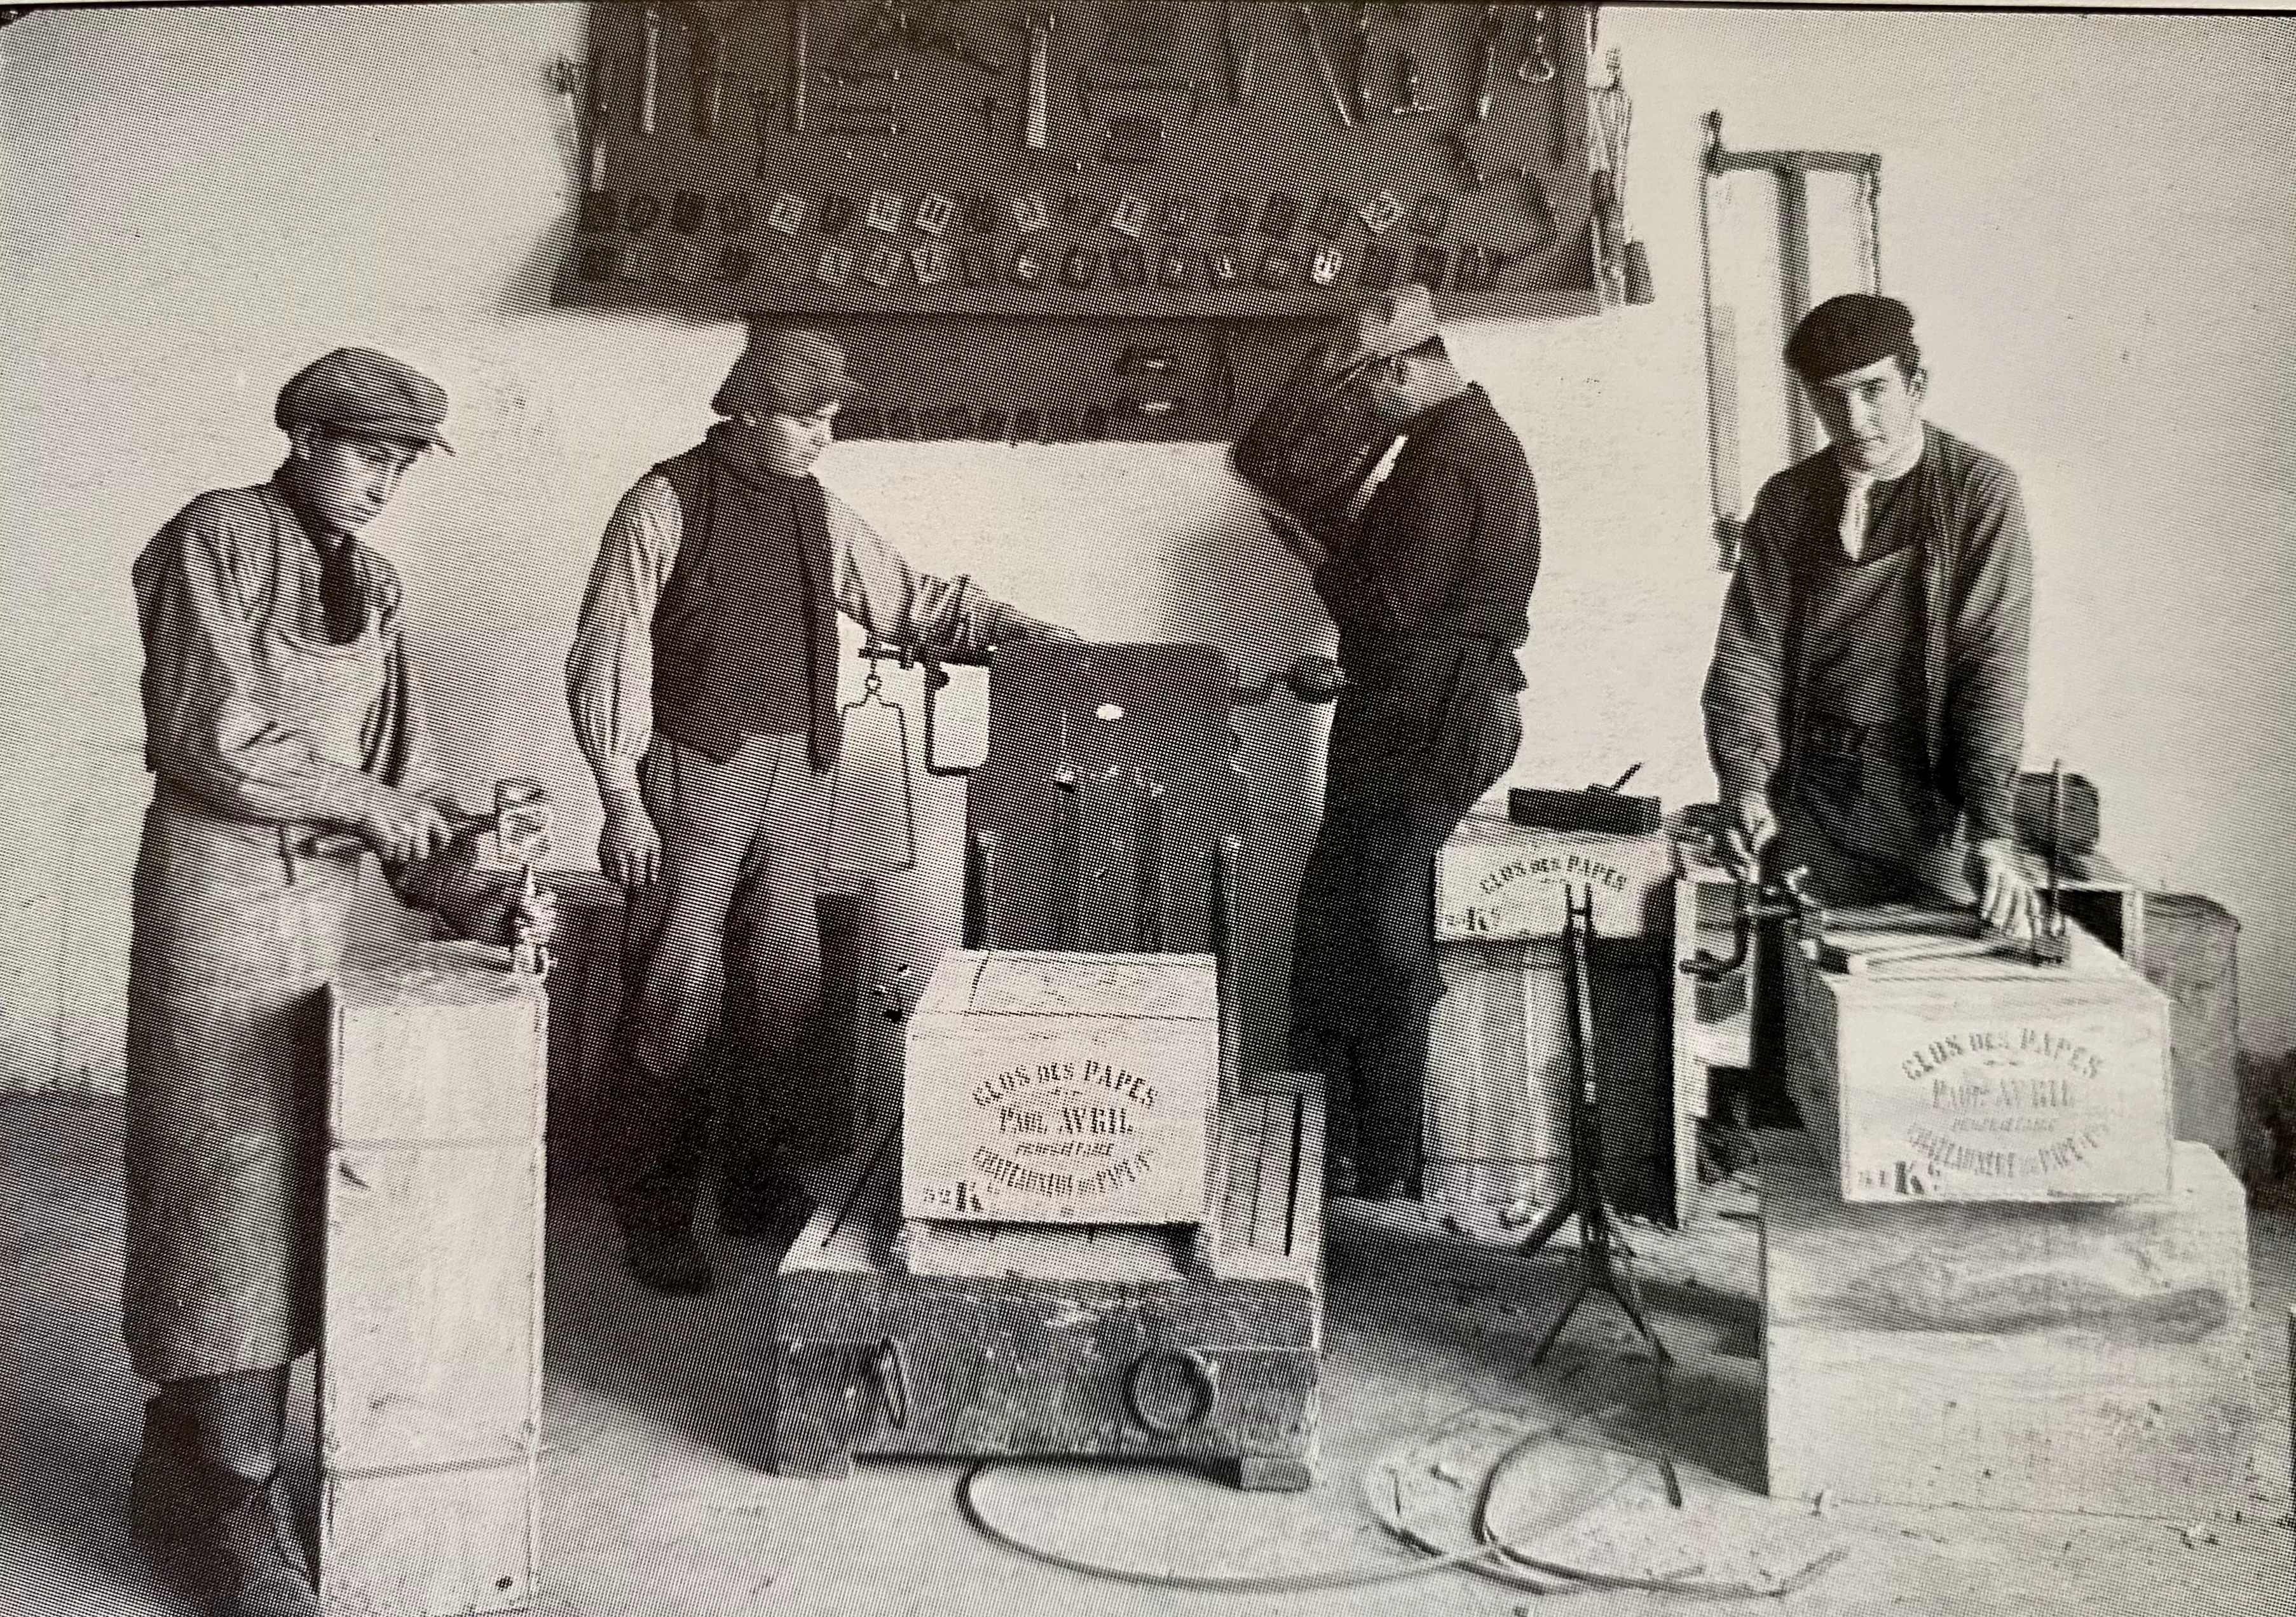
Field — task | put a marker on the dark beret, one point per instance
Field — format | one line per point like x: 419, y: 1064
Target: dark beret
x: 784, y: 372
x: 1848, y: 334
x: 360, y: 390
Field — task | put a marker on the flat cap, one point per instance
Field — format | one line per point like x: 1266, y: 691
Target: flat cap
x: 1848, y: 334
x: 785, y: 370
x: 360, y: 390
x: 1390, y: 323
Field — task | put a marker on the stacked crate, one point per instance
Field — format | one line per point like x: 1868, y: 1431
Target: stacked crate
x: 1987, y: 1257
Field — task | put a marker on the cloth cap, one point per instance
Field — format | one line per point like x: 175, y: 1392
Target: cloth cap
x: 1848, y: 334
x: 790, y: 371
x: 1392, y: 323
x: 360, y: 390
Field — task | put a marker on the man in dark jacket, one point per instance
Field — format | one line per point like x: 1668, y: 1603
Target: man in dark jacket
x: 1429, y: 587
x: 703, y: 689
x: 1865, y: 709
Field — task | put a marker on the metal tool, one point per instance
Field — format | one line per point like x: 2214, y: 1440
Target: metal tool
x: 520, y: 828
x: 1471, y: 172
x: 1600, y: 1242
x: 1311, y: 38
x: 648, y: 68
x: 800, y: 52
x: 1406, y: 81
x: 706, y: 90
x: 1359, y: 60
x: 597, y: 108
x: 1787, y: 897
x: 1236, y: 37
x: 1791, y: 170
x: 1487, y: 59
x: 1036, y: 126
x: 1537, y: 63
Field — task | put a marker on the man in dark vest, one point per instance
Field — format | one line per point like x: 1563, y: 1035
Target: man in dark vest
x: 1429, y: 587
x: 1865, y: 709
x: 703, y: 685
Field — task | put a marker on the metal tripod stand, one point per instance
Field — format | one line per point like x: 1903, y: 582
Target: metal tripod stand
x: 1600, y: 1243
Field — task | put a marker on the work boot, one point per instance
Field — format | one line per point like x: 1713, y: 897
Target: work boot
x: 163, y: 1491
x: 758, y: 1201
x: 663, y: 1251
x: 248, y: 1561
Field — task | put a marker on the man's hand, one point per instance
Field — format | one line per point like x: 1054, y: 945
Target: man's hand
x: 497, y: 912
x: 629, y: 849
x: 2007, y: 900
x: 403, y: 828
x: 1299, y: 539
x: 1749, y: 825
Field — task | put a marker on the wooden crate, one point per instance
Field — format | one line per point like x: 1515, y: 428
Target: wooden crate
x: 1496, y: 1125
x: 429, y: 1369
x: 1496, y: 880
x: 2078, y: 1358
x: 1047, y: 1341
x: 1983, y: 1079
x: 1059, y: 1088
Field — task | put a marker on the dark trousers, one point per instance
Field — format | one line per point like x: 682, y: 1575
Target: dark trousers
x: 1363, y: 976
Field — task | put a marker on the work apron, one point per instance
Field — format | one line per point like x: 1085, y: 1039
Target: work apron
x: 238, y: 927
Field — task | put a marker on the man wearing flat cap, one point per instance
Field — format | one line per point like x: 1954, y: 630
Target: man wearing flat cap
x: 1429, y: 587
x: 1865, y: 707
x: 703, y: 685
x: 280, y: 725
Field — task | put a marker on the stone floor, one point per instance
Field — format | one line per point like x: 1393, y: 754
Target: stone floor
x: 655, y: 1500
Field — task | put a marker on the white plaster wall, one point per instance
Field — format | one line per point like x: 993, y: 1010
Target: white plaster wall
x: 2091, y: 214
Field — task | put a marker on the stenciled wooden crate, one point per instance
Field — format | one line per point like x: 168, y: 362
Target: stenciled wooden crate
x: 1049, y: 1339
x: 2092, y: 1357
x: 1495, y: 881
x: 430, y: 1369
x: 1984, y: 1080
x: 1043, y: 1086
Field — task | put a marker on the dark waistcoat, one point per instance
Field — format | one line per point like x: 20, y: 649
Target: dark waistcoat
x: 745, y: 633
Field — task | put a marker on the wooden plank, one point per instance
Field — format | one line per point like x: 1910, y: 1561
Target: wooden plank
x: 2057, y: 1357
x: 2191, y: 955
x: 1983, y: 1079
x: 1495, y: 880
x: 1495, y: 1127
x: 1051, y: 1088
x: 428, y: 1543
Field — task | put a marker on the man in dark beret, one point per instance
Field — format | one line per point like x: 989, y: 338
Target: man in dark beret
x: 703, y: 685
x: 279, y: 722
x: 1865, y: 707
x: 1429, y: 587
